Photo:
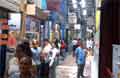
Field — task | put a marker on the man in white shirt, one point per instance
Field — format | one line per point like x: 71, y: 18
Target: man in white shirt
x: 36, y: 50
x: 45, y: 59
x: 74, y: 44
x: 47, y: 48
x: 53, y: 61
x: 89, y: 43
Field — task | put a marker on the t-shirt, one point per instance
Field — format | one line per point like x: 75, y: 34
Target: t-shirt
x: 74, y: 42
x: 54, y: 52
x: 89, y: 43
x: 80, y: 56
x: 36, y: 55
x: 47, y: 49
x: 11, y: 42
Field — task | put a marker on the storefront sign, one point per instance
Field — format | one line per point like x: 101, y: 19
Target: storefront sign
x: 31, y: 9
x: 43, y: 15
x: 14, y: 21
x: 72, y: 18
x: 3, y: 36
x: 53, y: 5
x: 43, y: 4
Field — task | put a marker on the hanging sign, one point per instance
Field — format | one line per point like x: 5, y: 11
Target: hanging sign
x: 53, y: 5
x: 31, y: 9
x: 3, y: 35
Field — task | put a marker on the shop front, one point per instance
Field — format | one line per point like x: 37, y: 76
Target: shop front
x: 38, y: 24
x: 6, y: 6
x: 3, y: 39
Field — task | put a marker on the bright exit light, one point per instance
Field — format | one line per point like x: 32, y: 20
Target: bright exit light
x: 74, y: 5
x: 83, y: 3
x: 74, y: 1
x: 84, y: 12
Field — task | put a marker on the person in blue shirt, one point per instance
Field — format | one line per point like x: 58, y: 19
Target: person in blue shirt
x: 80, y: 60
x: 36, y: 50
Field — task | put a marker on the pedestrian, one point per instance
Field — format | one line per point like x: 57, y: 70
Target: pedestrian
x: 44, y: 68
x: 89, y: 43
x: 74, y: 44
x: 63, y: 49
x: 11, y: 42
x: 36, y: 50
x: 53, y: 56
x: 80, y: 60
x: 25, y: 66
x: 57, y: 43
x: 87, y: 68
x: 22, y: 50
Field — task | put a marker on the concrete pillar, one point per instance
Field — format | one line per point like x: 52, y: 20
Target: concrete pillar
x: 109, y: 35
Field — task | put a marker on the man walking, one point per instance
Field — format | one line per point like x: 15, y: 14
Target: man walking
x: 44, y: 68
x: 80, y: 60
x: 74, y: 44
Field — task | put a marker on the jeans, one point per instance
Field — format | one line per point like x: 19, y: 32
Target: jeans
x: 52, y: 73
x: 80, y: 70
x: 38, y: 70
x: 44, y: 70
x: 63, y: 53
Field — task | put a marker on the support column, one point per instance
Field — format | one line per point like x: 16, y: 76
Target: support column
x: 109, y: 35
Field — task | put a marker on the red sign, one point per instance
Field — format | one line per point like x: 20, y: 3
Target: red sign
x: 3, y: 26
x: 53, y: 5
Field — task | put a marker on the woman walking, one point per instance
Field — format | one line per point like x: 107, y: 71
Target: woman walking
x: 22, y: 50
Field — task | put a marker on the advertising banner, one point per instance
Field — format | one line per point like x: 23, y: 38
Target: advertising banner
x: 53, y: 5
x: 43, y: 4
x: 15, y: 21
x: 31, y: 9
x: 72, y: 18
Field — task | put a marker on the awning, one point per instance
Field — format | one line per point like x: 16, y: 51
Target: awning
x: 10, y: 5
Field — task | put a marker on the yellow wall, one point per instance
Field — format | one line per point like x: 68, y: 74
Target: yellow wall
x: 97, y: 20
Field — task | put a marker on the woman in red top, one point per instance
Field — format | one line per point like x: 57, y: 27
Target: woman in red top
x: 11, y: 42
x: 62, y: 49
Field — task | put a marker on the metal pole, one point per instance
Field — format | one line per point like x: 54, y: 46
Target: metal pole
x: 23, y: 25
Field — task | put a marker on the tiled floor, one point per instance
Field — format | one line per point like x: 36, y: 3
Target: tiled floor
x: 69, y: 68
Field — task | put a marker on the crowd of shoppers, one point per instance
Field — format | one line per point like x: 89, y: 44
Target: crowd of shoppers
x: 40, y: 61
x: 35, y: 61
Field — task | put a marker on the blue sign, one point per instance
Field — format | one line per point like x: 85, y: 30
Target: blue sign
x: 28, y: 21
x: 43, y: 4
